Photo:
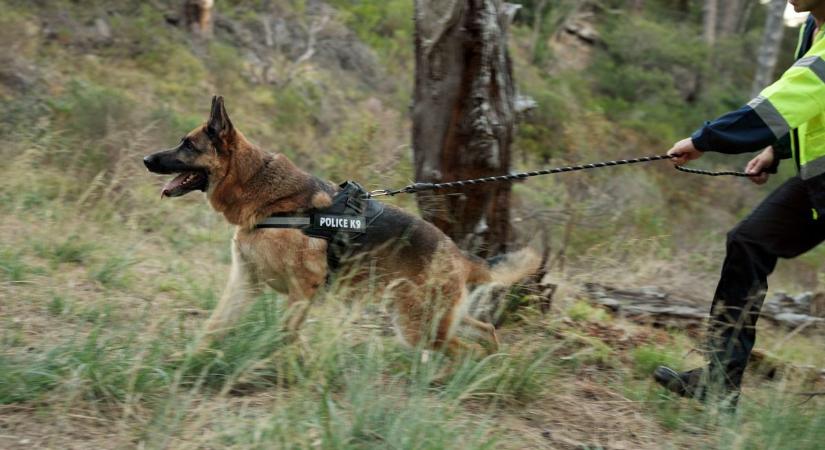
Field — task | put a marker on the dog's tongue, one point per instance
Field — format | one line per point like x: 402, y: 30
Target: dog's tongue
x: 174, y: 183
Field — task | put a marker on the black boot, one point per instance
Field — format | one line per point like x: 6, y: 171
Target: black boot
x: 698, y: 384
x: 685, y: 384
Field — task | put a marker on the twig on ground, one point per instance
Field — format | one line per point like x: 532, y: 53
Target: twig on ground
x: 810, y: 395
x: 81, y: 416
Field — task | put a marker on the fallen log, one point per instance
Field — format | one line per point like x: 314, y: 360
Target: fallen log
x: 647, y: 305
x: 653, y: 306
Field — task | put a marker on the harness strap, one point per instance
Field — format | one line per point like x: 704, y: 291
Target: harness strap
x: 285, y: 222
x: 341, y: 224
x: 345, y: 214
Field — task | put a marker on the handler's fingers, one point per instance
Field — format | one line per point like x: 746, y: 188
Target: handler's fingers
x: 677, y: 157
x: 762, y: 178
x: 684, y: 151
x: 753, y: 167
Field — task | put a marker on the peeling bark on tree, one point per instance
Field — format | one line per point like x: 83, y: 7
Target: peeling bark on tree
x: 463, y: 117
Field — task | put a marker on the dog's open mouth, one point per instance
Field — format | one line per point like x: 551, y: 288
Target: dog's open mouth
x: 184, y: 183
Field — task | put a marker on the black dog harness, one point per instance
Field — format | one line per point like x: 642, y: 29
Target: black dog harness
x: 344, y: 224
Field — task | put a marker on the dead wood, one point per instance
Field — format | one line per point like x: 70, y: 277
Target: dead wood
x: 651, y: 305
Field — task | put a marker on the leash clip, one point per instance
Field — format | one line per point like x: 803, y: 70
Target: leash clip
x: 378, y: 193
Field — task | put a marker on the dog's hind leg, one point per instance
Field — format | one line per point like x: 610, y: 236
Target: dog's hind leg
x: 302, y: 288
x: 455, y: 348
x: 298, y: 309
x: 487, y: 330
x: 240, y: 290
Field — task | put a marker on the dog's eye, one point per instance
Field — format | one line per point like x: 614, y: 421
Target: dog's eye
x: 187, y: 145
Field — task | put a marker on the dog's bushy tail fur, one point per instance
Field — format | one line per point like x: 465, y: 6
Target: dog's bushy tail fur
x: 495, y: 279
x: 505, y: 269
x: 510, y: 268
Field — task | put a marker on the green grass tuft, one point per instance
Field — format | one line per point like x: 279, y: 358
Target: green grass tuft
x: 71, y: 249
x: 12, y: 265
x: 114, y: 271
x: 648, y: 357
x: 582, y: 311
x: 243, y: 355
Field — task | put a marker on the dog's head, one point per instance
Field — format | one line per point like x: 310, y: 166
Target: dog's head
x: 197, y: 159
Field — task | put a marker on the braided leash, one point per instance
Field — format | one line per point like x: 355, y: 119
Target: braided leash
x: 419, y: 187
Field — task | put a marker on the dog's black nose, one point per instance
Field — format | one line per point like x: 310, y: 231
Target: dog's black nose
x: 149, y: 161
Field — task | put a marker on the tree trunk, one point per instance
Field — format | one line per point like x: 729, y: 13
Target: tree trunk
x: 746, y: 15
x: 710, y: 14
x: 729, y: 17
x: 769, y: 49
x: 710, y: 17
x: 197, y: 16
x: 463, y: 118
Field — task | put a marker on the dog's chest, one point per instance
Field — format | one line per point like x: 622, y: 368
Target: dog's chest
x: 281, y: 257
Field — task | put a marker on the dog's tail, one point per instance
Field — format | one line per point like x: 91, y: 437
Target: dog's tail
x: 505, y: 269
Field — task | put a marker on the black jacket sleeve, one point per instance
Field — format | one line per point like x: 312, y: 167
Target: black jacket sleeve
x: 781, y: 150
x: 740, y: 131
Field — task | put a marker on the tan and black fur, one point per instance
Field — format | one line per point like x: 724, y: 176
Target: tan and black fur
x: 419, y: 270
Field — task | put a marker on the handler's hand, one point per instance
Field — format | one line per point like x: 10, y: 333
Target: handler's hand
x: 684, y: 151
x: 759, y: 164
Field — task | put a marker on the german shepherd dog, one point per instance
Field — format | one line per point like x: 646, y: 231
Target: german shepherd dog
x: 423, y: 276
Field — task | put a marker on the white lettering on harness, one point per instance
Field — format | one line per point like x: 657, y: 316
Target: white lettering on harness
x: 346, y: 223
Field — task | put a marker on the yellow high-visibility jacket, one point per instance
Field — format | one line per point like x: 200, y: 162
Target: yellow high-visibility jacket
x: 791, y: 109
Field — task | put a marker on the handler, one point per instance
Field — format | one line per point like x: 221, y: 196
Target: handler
x: 788, y: 117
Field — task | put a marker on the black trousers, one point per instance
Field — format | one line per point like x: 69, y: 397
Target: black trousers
x: 782, y: 226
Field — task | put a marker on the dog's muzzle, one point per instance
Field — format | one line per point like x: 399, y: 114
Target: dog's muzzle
x: 152, y: 162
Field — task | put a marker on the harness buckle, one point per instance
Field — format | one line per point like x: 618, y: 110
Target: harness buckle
x: 356, y: 203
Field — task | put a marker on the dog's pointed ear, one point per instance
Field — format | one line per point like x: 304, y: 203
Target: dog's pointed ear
x: 218, y: 123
